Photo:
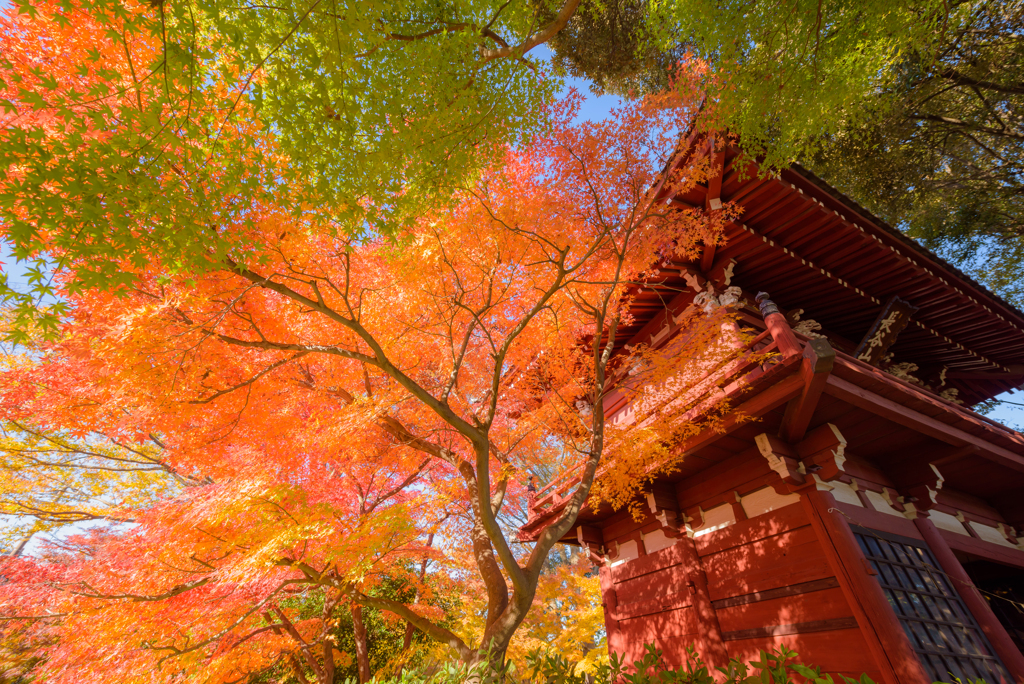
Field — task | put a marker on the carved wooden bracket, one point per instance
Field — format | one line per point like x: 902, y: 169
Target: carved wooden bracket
x: 721, y: 273
x: 817, y: 459
x: 782, y: 459
x: 693, y: 281
x: 924, y: 495
x: 589, y: 538
x: 823, y: 452
x: 668, y: 518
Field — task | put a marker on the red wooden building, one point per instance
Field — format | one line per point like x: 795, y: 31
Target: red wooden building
x: 867, y: 518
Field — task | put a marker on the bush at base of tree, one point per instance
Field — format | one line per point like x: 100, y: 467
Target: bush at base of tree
x: 778, y: 666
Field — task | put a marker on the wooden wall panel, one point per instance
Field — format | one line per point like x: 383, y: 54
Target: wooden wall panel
x: 826, y: 604
x: 747, y: 531
x: 778, y: 561
x: 671, y: 631
x: 836, y: 652
x: 770, y: 583
x: 652, y: 587
x: 672, y: 623
x: 650, y: 563
x: 731, y: 474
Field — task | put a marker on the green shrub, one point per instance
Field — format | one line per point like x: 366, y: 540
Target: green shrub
x: 772, y: 667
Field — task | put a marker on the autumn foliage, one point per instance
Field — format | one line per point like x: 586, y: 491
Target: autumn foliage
x: 293, y: 421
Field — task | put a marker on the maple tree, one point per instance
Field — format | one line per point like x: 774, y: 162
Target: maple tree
x: 567, y: 616
x: 334, y: 401
x: 130, y: 130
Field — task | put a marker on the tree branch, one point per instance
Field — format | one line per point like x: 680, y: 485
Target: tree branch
x: 542, y: 36
x: 963, y: 79
x: 435, y: 632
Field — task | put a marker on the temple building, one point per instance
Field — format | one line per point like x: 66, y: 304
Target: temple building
x: 862, y: 514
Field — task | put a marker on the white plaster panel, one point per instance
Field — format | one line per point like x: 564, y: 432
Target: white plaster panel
x: 765, y: 500
x: 716, y: 518
x: 945, y: 521
x: 627, y: 552
x: 657, y: 540
x: 845, y: 493
x: 991, y: 534
x: 880, y: 504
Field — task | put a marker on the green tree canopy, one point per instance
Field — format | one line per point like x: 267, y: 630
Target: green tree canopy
x: 156, y: 130
x: 944, y: 157
x: 913, y: 108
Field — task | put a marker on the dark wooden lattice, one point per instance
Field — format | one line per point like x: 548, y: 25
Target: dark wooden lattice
x: 941, y: 629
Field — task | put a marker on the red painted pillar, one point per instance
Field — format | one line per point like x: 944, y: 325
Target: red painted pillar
x: 710, y: 644
x: 879, y: 625
x: 975, y: 602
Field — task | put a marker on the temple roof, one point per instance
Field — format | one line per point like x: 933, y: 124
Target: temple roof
x: 812, y: 248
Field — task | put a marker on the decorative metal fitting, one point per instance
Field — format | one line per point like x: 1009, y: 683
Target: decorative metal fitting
x: 766, y: 305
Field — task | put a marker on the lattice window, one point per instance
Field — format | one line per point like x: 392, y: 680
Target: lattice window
x: 941, y: 629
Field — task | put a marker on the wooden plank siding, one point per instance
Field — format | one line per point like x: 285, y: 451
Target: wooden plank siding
x: 770, y: 584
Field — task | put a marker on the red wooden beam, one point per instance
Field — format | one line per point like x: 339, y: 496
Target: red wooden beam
x: 713, y: 202
x: 817, y: 364
x: 783, y: 335
x: 897, y: 413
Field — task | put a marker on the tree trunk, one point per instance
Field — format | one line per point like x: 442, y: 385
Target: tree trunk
x: 409, y: 629
x: 362, y: 649
x: 407, y: 641
x: 487, y: 666
x: 21, y: 546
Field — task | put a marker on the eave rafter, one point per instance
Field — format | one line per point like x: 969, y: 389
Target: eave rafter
x: 955, y: 332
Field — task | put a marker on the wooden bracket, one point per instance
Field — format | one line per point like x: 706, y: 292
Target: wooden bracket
x: 694, y: 279
x: 690, y: 523
x: 736, y: 501
x: 924, y: 495
x: 823, y: 452
x: 721, y: 272
x: 783, y: 460
x: 895, y: 501
x: 1009, y: 533
x: 663, y: 507
x: 818, y: 360
x: 589, y: 537
x: 818, y: 458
